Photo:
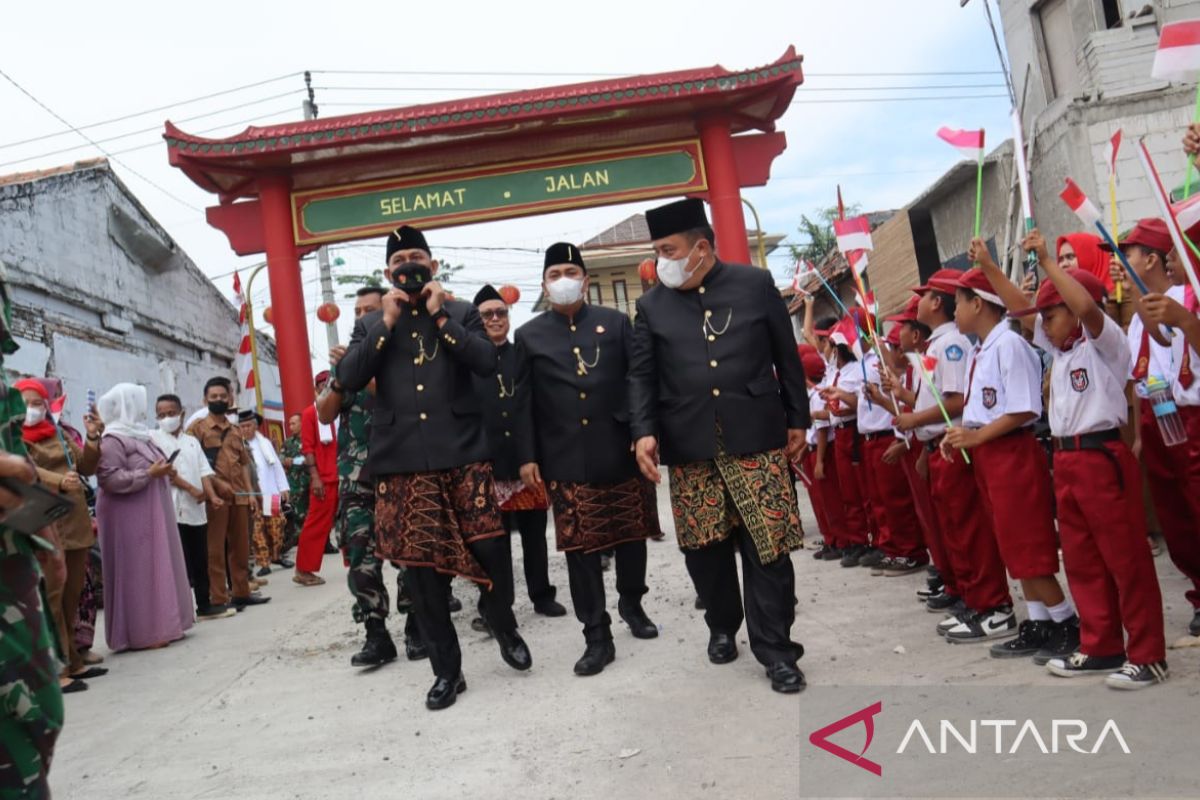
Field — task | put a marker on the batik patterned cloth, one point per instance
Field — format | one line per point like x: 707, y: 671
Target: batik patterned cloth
x: 593, y: 517
x: 267, y: 538
x: 710, y: 498
x: 427, y: 519
x: 516, y: 496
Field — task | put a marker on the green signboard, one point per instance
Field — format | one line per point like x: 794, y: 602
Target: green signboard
x: 507, y: 191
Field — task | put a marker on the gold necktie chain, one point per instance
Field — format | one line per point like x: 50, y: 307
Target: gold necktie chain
x: 506, y: 391
x: 422, y: 356
x: 707, y: 329
x: 582, y: 366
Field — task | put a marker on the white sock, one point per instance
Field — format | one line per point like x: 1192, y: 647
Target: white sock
x: 1061, y: 612
x: 1037, y: 611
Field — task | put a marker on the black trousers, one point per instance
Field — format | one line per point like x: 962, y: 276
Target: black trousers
x: 429, y: 591
x: 770, y: 593
x: 194, y: 539
x: 532, y: 527
x: 587, y: 586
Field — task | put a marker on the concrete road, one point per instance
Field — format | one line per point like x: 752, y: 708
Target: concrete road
x: 266, y: 705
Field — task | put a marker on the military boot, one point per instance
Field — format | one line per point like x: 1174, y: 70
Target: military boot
x: 379, y: 647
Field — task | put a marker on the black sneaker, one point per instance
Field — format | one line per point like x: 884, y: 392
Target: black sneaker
x: 956, y: 618
x: 871, y: 557
x: 822, y: 553
x: 984, y: 625
x: 1032, y: 635
x: 933, y: 585
x: 1062, y: 642
x: 943, y: 603
x: 1138, y: 676
x: 895, y: 567
x: 851, y: 554
x: 1194, y: 625
x: 1082, y: 664
x: 832, y: 554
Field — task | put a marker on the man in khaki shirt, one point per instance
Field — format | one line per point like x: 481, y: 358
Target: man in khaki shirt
x: 229, y: 514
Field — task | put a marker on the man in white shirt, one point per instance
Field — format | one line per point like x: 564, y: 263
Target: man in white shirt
x: 267, y: 537
x: 190, y: 488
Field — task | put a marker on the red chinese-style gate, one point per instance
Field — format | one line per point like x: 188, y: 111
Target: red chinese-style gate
x: 285, y: 189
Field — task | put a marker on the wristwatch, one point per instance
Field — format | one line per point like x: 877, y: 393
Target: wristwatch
x: 441, y: 313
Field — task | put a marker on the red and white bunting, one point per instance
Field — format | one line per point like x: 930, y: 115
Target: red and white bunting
x: 245, y: 361
x: 969, y: 143
x: 1178, y: 55
x: 852, y: 234
x: 1114, y: 145
x: 1078, y: 202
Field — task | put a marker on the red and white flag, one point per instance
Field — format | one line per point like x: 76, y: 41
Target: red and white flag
x: 858, y: 260
x: 1078, y: 202
x: 969, y: 143
x: 803, y: 267
x: 1178, y: 56
x: 867, y: 302
x: 1114, y: 145
x: 245, y: 360
x: 852, y: 234
x: 923, y: 363
x: 1187, y: 212
x: 1163, y: 200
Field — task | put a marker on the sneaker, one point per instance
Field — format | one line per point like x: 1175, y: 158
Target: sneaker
x: 957, y: 617
x: 1138, y: 676
x: 832, y: 554
x: 933, y: 585
x: 1032, y: 636
x: 984, y: 625
x: 851, y: 554
x: 879, y: 568
x: 943, y: 603
x: 215, y: 612
x: 1082, y: 664
x: 1194, y: 625
x: 901, y: 566
x: 1062, y: 642
x: 822, y: 552
x: 871, y: 557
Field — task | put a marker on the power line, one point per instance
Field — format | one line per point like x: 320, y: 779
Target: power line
x: 901, y: 99
x: 626, y: 74
x: 132, y: 171
x: 519, y: 88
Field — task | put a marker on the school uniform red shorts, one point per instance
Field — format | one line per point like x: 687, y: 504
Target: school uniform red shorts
x: 899, y: 530
x: 848, y: 452
x: 825, y: 496
x: 1174, y: 478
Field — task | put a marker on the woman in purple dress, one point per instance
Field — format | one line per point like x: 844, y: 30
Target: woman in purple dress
x: 146, y: 598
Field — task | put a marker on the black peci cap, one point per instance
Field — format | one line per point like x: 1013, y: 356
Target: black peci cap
x: 488, y: 292
x: 563, y: 253
x: 406, y: 237
x: 677, y: 217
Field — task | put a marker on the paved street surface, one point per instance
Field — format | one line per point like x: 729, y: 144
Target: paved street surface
x: 266, y: 705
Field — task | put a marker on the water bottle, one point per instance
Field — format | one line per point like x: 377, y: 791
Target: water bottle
x: 1170, y: 425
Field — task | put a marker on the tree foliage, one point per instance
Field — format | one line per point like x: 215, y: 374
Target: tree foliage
x: 817, y: 234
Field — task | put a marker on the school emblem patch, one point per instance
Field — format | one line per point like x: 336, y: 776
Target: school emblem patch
x: 1079, y: 379
x: 989, y: 397
x: 954, y: 353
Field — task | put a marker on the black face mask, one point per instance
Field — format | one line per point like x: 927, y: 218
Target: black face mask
x: 218, y: 407
x: 411, y: 277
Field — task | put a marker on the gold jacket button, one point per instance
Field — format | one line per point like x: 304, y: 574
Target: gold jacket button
x: 701, y: 290
x: 707, y: 313
x: 507, y: 433
x: 716, y: 392
x: 414, y: 334
x: 712, y: 338
x: 420, y: 387
x: 504, y: 413
x: 572, y: 327
x: 414, y: 312
x: 583, y: 395
x: 713, y: 363
x: 583, y: 421
x: 424, y: 415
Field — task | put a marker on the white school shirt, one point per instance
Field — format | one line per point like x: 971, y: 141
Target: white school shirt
x: 1087, y: 382
x: 1004, y: 376
x: 849, y: 378
x: 872, y: 417
x: 192, y: 465
x: 1162, y: 360
x: 951, y: 352
x: 272, y: 480
x: 815, y: 403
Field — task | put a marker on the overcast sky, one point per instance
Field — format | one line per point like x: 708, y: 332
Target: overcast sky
x: 93, y: 62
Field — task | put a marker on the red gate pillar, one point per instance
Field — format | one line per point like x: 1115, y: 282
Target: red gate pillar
x: 724, y: 190
x: 287, y: 295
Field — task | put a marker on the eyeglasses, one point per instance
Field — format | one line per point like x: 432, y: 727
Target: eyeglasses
x: 498, y: 313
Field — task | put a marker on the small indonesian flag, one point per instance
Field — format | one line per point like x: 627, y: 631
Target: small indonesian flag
x: 868, y: 302
x: 858, y: 260
x: 853, y: 234
x: 1187, y: 212
x: 1114, y: 145
x: 969, y: 143
x: 803, y: 267
x: 844, y: 332
x: 1078, y: 202
x: 925, y: 363
x: 1178, y: 55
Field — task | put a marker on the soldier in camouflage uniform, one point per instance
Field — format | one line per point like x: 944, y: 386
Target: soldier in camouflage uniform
x: 355, y: 524
x: 31, y: 704
x: 292, y: 456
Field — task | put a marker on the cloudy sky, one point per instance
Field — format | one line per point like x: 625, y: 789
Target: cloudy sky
x: 881, y: 77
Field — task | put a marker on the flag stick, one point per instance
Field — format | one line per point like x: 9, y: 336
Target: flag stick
x: 1112, y: 204
x: 846, y: 311
x: 937, y: 396
x: 1133, y: 276
x: 1187, y: 183
x: 1164, y: 207
x: 979, y: 194
x: 862, y: 292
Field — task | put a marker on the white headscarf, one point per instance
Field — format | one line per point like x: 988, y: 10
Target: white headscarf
x: 123, y: 410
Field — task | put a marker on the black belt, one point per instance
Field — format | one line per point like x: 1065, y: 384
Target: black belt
x: 870, y: 437
x: 1094, y: 441
x: 855, y: 440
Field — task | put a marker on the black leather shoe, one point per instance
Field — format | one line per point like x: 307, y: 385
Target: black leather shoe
x: 415, y: 649
x: 379, y: 648
x: 514, y: 651
x: 330, y: 549
x: 253, y: 600
x: 595, y: 658
x: 699, y: 604
x: 479, y: 625
x: 263, y: 572
x: 786, y: 677
x: 286, y: 563
x: 445, y: 692
x: 722, y: 648
x: 639, y: 624
x: 455, y: 604
x: 550, y: 608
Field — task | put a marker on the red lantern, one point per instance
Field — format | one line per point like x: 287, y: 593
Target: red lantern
x: 648, y: 270
x: 510, y: 294
x: 267, y: 316
x: 328, y: 312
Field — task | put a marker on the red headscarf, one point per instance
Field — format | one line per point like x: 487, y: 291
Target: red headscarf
x: 44, y: 429
x: 1089, y: 255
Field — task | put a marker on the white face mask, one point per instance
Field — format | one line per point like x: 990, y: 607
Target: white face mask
x: 673, y: 273
x: 565, y: 291
x: 34, y: 415
x: 169, y: 424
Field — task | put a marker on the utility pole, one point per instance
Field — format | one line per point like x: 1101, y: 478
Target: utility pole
x: 331, y: 331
